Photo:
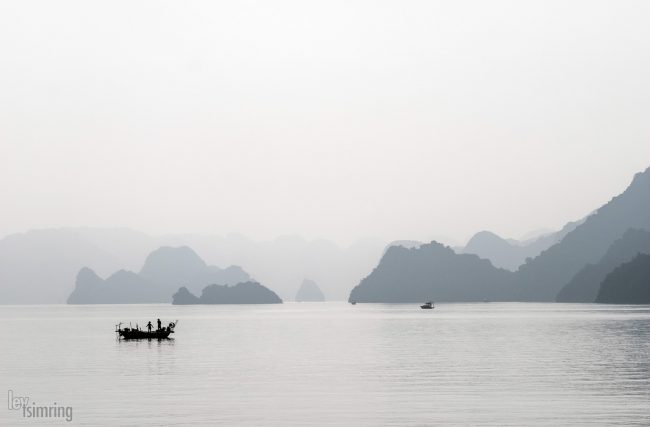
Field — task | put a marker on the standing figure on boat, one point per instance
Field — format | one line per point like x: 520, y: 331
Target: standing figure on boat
x: 159, y: 324
x: 149, y: 325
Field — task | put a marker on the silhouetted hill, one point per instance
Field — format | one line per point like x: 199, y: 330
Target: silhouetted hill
x: 499, y: 251
x: 39, y: 266
x: 537, y: 245
x: 241, y: 293
x: 408, y: 244
x: 629, y: 283
x: 535, y: 234
x: 122, y: 287
x: 584, y: 286
x: 309, y: 291
x: 164, y: 270
x: 436, y: 272
x: 541, y: 278
x: 510, y: 253
x: 184, y: 297
x: 282, y: 262
x: 432, y: 272
x: 175, y: 265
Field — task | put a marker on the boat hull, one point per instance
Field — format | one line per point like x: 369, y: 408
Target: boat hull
x: 139, y: 335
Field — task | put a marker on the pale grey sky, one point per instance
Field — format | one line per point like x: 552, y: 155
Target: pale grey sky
x: 338, y: 119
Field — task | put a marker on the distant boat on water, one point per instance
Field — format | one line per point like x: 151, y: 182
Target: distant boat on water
x: 427, y: 305
x: 137, y: 333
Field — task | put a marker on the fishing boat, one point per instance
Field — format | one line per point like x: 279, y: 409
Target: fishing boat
x: 427, y: 305
x: 138, y: 334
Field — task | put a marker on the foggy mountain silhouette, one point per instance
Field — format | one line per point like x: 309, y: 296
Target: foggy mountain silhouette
x: 584, y: 286
x: 309, y: 291
x: 282, y: 262
x: 511, y: 253
x: 408, y: 244
x: 499, y: 251
x: 541, y: 278
x: 173, y: 266
x: 164, y: 270
x: 122, y: 287
x: 437, y: 272
x: 241, y: 293
x: 184, y: 297
x: 628, y: 283
x: 432, y: 272
x: 535, y: 234
x: 40, y: 266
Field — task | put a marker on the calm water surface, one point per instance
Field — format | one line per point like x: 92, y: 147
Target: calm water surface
x: 333, y: 364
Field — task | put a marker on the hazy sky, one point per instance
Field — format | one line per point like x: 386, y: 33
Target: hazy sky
x: 336, y: 119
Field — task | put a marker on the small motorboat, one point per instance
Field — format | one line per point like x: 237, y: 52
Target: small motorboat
x: 138, y: 334
x: 427, y: 305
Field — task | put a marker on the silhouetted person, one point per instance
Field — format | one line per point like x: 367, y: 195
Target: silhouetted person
x: 149, y: 325
x: 159, y: 324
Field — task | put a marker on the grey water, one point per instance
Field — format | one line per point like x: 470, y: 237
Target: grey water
x: 332, y: 364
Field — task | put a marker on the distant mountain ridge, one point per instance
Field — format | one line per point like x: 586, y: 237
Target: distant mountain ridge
x: 241, y: 293
x: 432, y: 272
x: 282, y: 262
x: 436, y: 272
x: 585, y: 285
x: 122, y: 287
x: 543, y: 277
x: 164, y: 271
x: 629, y: 283
x: 40, y: 266
x: 408, y: 244
x: 510, y: 253
x: 309, y: 291
x: 499, y: 251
